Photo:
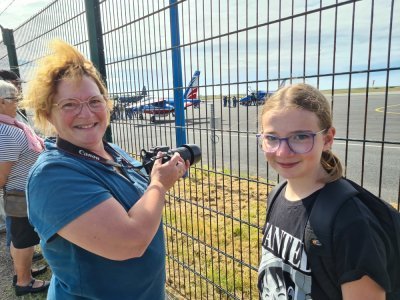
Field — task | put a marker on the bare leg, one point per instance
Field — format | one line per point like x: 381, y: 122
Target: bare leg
x: 22, y: 259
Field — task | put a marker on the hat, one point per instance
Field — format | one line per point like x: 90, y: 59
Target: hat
x: 9, y: 76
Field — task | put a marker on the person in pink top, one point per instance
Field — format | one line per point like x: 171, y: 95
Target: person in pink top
x: 20, y: 147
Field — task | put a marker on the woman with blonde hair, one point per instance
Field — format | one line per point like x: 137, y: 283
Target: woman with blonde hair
x: 97, y: 214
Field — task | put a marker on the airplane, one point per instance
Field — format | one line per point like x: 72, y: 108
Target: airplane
x: 258, y: 97
x: 133, y: 98
x: 121, y: 101
x: 165, y: 106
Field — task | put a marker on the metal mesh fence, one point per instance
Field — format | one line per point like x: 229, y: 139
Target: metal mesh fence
x: 244, y: 51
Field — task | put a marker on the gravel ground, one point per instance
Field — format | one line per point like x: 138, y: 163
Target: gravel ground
x: 6, y: 273
x: 6, y: 270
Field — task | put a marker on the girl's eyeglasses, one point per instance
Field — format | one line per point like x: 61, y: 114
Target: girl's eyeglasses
x: 298, y: 143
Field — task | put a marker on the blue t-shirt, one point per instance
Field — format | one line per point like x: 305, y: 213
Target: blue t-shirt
x: 62, y: 187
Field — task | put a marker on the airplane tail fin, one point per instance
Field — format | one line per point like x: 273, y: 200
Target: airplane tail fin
x: 192, y: 91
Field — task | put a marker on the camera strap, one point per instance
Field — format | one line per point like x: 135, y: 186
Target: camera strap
x: 89, y: 155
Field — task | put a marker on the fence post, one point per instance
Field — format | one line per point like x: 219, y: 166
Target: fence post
x: 8, y: 39
x: 177, y: 75
x: 93, y: 18
x: 213, y: 137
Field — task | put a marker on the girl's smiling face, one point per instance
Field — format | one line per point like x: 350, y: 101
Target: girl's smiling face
x: 285, y: 122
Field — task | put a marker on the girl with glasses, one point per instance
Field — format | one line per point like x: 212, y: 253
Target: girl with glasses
x: 297, y: 136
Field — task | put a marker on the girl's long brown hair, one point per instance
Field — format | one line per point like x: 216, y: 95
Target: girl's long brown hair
x: 304, y: 96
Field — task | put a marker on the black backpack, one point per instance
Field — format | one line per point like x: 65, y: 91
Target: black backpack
x: 318, y: 231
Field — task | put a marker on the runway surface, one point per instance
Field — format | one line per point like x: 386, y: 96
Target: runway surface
x: 367, y: 142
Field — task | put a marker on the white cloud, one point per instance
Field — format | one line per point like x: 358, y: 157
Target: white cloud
x: 287, y: 49
x: 19, y: 11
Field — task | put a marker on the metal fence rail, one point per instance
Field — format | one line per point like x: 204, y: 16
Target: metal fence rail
x: 213, y: 218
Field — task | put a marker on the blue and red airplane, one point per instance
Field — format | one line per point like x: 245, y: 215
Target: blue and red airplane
x: 165, y: 106
x: 258, y: 97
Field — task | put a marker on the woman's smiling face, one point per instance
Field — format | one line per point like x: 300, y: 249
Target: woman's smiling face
x: 85, y: 128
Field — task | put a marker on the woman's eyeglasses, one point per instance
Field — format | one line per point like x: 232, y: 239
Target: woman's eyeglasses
x: 298, y: 143
x: 13, y: 99
x: 74, y: 106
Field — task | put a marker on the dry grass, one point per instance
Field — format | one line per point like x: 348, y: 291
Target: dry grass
x: 213, y: 235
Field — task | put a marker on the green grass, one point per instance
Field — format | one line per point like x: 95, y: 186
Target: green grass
x: 205, y: 235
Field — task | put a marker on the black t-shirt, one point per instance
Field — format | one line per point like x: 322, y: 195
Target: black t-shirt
x: 284, y: 271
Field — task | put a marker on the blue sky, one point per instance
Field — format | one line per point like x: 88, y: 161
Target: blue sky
x: 253, y: 56
x: 19, y: 11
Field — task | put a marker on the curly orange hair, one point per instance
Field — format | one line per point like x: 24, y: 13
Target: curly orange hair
x: 65, y: 61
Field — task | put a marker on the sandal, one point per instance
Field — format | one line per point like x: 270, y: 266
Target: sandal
x: 37, y: 256
x: 23, y: 290
x: 37, y: 272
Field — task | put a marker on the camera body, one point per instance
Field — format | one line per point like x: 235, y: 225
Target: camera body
x: 190, y: 152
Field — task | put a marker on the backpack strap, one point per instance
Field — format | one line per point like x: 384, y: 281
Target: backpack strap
x: 318, y: 233
x: 319, y: 230
x: 273, y: 194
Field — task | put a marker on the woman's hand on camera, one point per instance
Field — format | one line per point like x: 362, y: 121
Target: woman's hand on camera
x: 169, y: 172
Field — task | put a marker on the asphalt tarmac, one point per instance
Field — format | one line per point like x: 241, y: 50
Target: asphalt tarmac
x: 367, y: 143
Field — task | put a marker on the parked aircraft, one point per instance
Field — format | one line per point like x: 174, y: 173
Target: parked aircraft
x: 133, y: 98
x: 165, y: 106
x: 122, y: 101
x: 258, y: 97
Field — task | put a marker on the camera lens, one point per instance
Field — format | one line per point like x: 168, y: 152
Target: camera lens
x: 189, y: 152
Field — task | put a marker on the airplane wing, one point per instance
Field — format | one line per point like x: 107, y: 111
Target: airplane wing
x: 146, y: 101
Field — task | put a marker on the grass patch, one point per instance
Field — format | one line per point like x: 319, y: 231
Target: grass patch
x: 213, y: 235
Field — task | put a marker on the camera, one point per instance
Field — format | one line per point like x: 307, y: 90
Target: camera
x: 189, y: 152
